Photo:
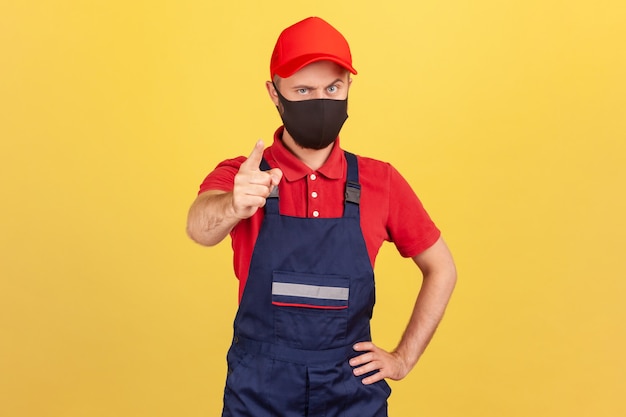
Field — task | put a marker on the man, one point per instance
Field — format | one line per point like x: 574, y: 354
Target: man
x: 306, y: 221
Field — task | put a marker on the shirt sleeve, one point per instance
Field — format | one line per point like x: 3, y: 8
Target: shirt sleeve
x: 223, y: 176
x: 409, y: 226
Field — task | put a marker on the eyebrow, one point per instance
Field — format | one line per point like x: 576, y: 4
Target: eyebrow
x: 338, y: 80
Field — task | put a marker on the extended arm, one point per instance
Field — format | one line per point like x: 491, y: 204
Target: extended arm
x: 439, y: 274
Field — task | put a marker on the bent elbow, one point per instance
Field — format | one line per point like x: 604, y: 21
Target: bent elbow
x: 201, y: 237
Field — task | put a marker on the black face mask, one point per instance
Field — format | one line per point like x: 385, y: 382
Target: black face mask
x: 313, y: 124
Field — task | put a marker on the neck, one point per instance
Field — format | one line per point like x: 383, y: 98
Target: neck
x: 313, y: 158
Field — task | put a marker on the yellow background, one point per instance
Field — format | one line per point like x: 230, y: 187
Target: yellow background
x: 507, y: 117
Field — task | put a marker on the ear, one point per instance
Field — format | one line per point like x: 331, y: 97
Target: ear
x: 271, y: 90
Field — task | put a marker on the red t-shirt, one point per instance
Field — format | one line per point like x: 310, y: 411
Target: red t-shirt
x: 390, y: 210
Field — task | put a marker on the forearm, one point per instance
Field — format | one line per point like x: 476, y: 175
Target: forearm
x: 427, y: 313
x: 211, y: 217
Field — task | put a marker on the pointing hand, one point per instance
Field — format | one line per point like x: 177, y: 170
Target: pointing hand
x: 252, y: 186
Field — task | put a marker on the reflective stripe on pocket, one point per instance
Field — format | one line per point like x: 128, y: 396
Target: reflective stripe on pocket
x: 311, y: 291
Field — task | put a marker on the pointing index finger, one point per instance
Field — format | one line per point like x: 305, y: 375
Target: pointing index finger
x: 254, y: 160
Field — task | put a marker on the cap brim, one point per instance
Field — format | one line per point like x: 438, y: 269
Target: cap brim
x: 288, y: 69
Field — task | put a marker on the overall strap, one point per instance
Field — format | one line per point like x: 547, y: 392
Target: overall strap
x: 353, y: 188
x: 271, y: 203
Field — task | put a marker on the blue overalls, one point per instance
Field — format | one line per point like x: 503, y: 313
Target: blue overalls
x: 308, y: 298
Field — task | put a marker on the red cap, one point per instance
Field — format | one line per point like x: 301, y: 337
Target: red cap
x: 308, y: 41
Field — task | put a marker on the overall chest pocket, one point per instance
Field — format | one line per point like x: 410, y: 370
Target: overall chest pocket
x: 310, y: 311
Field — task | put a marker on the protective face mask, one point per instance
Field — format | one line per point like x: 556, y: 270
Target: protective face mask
x: 313, y: 124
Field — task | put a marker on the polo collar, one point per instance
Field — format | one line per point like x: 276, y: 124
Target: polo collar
x: 294, y: 169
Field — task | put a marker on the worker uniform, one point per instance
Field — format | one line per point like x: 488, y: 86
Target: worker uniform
x: 307, y: 297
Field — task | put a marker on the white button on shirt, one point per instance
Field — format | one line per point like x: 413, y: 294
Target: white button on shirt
x: 314, y: 195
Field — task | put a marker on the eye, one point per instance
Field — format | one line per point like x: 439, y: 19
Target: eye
x: 302, y: 91
x: 332, y: 89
